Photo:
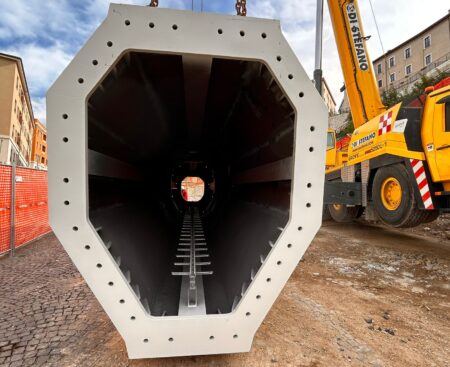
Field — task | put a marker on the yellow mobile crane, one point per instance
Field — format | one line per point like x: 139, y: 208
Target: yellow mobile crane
x: 397, y: 166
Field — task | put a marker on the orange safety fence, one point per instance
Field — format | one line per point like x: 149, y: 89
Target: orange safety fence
x: 31, y: 204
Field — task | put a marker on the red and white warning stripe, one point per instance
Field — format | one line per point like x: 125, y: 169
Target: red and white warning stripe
x: 422, y: 182
x: 385, y: 123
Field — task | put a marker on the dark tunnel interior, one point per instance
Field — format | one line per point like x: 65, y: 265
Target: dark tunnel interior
x: 155, y: 119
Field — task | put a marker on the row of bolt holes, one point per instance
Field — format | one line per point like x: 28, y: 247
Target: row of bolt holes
x: 175, y: 27
x: 66, y: 180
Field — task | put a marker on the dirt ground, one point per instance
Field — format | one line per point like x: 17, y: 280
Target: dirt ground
x: 363, y: 295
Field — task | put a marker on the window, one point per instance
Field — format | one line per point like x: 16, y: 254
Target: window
x: 392, y: 77
x: 380, y: 83
x: 392, y: 61
x: 43, y: 148
x: 45, y: 137
x: 408, y: 69
x: 42, y: 160
x: 407, y: 53
x: 330, y: 140
x: 379, y: 68
x: 428, y: 60
x: 427, y: 41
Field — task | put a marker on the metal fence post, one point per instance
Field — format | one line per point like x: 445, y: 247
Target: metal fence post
x: 12, y: 234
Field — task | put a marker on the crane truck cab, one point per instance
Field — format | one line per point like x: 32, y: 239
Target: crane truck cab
x: 398, y: 167
x: 335, y: 157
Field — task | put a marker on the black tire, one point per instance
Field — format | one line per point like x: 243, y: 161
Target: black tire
x: 326, y: 216
x: 431, y: 216
x: 407, y: 214
x: 344, y: 214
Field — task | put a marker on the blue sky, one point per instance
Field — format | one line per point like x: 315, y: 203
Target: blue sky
x: 47, y: 34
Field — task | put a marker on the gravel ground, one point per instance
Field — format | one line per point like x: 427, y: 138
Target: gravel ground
x: 363, y: 295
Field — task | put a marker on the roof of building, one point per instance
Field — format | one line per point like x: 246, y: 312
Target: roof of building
x: 447, y: 16
x: 40, y: 125
x: 18, y: 60
x: 329, y: 90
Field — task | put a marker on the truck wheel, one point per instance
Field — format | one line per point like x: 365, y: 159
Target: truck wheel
x: 326, y: 216
x: 431, y: 216
x: 344, y: 214
x: 393, y: 198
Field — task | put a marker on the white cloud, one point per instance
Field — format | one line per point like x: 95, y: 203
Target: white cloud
x: 47, y: 34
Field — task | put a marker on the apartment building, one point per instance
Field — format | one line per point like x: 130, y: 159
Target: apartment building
x: 327, y: 97
x: 39, y: 149
x: 400, y: 67
x: 16, y: 113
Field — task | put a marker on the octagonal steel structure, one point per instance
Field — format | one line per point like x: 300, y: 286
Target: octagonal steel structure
x: 222, y: 37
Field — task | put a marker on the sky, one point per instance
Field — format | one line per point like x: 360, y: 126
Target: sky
x: 47, y: 34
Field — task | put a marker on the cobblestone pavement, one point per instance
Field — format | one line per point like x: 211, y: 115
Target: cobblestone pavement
x: 362, y: 296
x: 44, y: 303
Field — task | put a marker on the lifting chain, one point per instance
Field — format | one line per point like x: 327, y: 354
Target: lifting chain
x: 241, y: 7
x: 154, y: 3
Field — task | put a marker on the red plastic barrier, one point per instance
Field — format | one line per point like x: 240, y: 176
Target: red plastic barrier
x: 31, y: 205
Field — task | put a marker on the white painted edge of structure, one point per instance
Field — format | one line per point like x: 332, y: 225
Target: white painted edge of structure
x: 197, y: 33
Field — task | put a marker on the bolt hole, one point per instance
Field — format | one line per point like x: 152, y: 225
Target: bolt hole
x: 66, y: 202
x: 278, y: 262
x: 65, y: 140
x: 170, y: 339
x: 301, y: 94
x: 211, y: 337
x: 220, y: 31
x: 110, y: 284
x: 311, y: 149
x: 263, y: 35
x: 309, y: 185
x: 145, y: 340
x: 278, y: 58
x: 174, y: 27
x: 242, y: 33
x: 75, y: 228
x: 65, y: 116
x: 94, y: 62
x: 151, y: 25
x: 290, y: 76
x: 289, y: 245
x: 127, y: 22
x: 80, y: 80
x: 258, y: 297
x: 99, y: 266
x: 235, y: 336
x: 65, y: 180
x: 133, y: 318
x: 109, y: 44
x: 122, y: 301
x: 247, y: 314
x: 308, y: 205
x: 312, y: 128
x: 87, y: 247
x: 268, y: 280
x: 300, y: 228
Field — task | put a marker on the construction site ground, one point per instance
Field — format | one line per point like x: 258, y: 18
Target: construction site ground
x: 363, y: 295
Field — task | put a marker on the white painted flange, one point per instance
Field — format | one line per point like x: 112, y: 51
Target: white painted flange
x: 127, y: 28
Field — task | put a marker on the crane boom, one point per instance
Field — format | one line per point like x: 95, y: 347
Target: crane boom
x: 364, y: 98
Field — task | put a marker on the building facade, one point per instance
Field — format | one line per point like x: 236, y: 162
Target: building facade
x: 39, y: 146
x: 401, y: 67
x: 16, y: 113
x: 328, y: 98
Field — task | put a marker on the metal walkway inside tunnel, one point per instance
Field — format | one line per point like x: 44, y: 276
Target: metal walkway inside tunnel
x: 192, y: 254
